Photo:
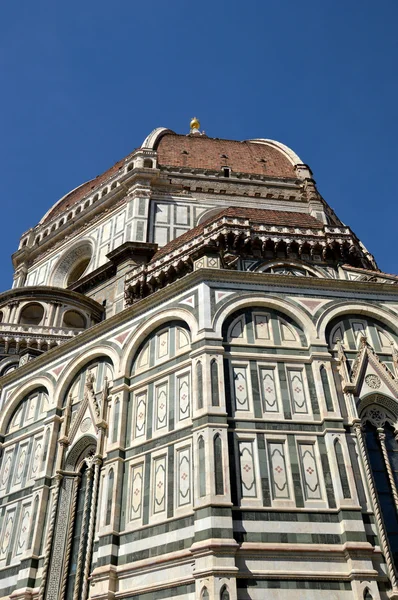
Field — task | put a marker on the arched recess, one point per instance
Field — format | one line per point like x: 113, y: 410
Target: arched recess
x: 378, y: 414
x: 262, y: 326
x: 283, y: 306
x: 18, y: 395
x: 145, y: 329
x: 165, y: 353
x: 73, y: 264
x: 70, y: 371
x: 354, y: 308
x: 224, y: 593
x: 71, y: 539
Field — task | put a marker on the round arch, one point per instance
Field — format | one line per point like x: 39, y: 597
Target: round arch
x: 387, y: 403
x: 137, y: 337
x: 69, y: 261
x: 79, y: 450
x: 19, y: 394
x: 153, y: 139
x: 78, y: 363
x: 357, y: 308
x: 283, y: 306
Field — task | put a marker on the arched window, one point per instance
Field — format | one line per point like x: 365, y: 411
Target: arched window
x: 109, y: 496
x: 367, y: 595
x: 224, y: 594
x: 202, y: 467
x: 74, y: 320
x: 218, y: 465
x: 205, y: 594
x: 199, y: 383
x: 342, y: 469
x: 148, y: 164
x: 215, y: 399
x: 31, y: 314
x: 326, y: 388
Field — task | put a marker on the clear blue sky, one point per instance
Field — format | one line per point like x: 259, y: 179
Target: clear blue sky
x: 83, y: 83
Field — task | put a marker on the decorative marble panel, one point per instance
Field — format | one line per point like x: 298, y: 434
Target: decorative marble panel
x: 159, y: 484
x: 279, y: 480
x: 359, y: 329
x: 36, y: 457
x: 309, y: 469
x: 23, y: 529
x: 261, y: 327
x: 182, y: 339
x: 161, y: 405
x: 297, y: 391
x: 183, y: 395
x: 162, y: 344
x: 137, y: 480
x: 269, y: 390
x: 287, y: 332
x: 247, y: 469
x: 20, y: 466
x: 6, y: 470
x: 237, y: 329
x: 31, y: 410
x: 241, y: 387
x: 140, y: 414
x: 184, y: 469
x: 143, y: 359
x: 8, y: 525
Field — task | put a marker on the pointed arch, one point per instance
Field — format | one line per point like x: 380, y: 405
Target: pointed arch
x: 326, y: 388
x: 204, y: 595
x: 199, y: 384
x: 367, y: 595
x: 215, y: 395
x: 345, y: 486
x: 109, y: 497
x: 202, y: 466
x: 224, y: 593
x: 218, y: 465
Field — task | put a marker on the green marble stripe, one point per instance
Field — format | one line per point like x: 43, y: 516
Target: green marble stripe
x: 170, y: 592
x: 154, y: 530
x: 258, y: 410
x: 146, y: 495
x: 294, y: 538
x: 212, y: 511
x: 287, y: 411
x: 326, y: 473
x: 155, y: 443
x: 298, y: 517
x: 294, y: 463
x: 265, y: 584
x: 283, y: 426
x: 216, y: 532
x: 184, y: 544
x: 262, y: 457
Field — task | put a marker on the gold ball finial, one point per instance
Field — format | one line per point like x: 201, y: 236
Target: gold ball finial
x: 195, y: 124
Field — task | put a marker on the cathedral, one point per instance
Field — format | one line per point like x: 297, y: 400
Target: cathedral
x: 199, y: 387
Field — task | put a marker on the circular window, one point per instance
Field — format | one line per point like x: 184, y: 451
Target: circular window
x: 74, y: 320
x: 31, y: 314
x: 72, y: 265
x: 77, y: 271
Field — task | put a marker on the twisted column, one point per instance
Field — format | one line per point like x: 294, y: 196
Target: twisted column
x: 47, y: 549
x: 382, y: 439
x: 90, y: 534
x: 376, y: 506
x: 69, y: 538
x: 82, y: 544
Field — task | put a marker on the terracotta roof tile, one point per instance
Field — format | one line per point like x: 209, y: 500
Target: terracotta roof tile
x: 202, y: 152
x: 256, y: 216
